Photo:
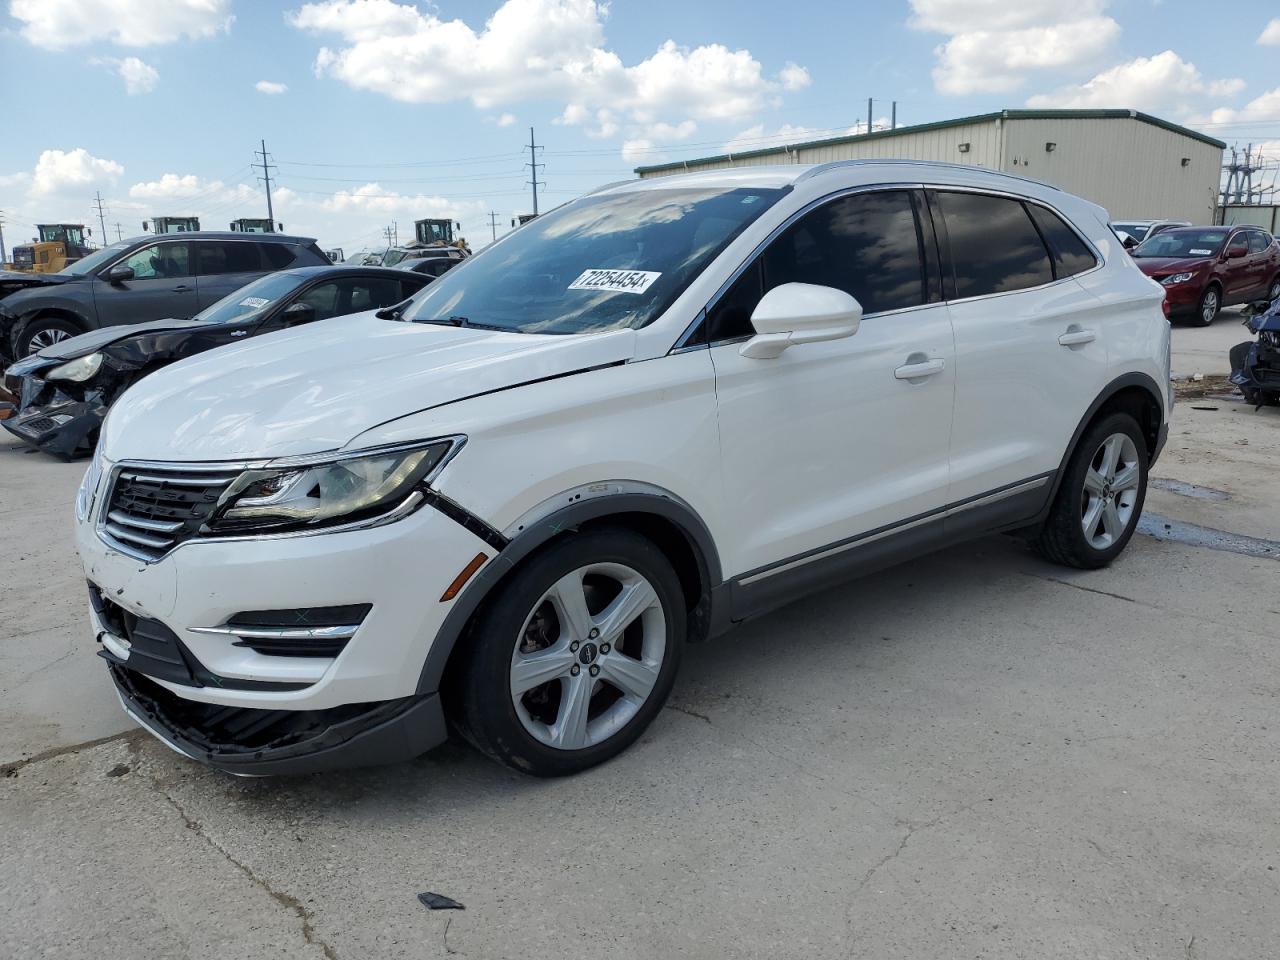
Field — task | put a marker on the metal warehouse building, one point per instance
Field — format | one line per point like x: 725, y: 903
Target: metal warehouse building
x: 1137, y: 166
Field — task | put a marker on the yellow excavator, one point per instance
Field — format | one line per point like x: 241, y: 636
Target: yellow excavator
x: 58, y: 244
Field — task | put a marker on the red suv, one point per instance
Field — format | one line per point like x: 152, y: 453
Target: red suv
x: 1206, y: 268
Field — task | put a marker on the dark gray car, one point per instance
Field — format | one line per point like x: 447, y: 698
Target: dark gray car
x: 145, y: 278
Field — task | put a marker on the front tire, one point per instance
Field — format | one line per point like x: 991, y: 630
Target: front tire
x: 1100, y: 498
x: 45, y: 332
x: 574, y: 657
x: 1210, y: 304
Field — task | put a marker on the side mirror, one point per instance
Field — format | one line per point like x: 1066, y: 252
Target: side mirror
x: 119, y: 274
x: 296, y: 314
x: 1235, y: 253
x: 1130, y: 242
x: 800, y: 313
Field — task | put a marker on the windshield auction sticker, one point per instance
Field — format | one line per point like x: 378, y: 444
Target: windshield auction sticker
x: 615, y: 281
x: 254, y: 302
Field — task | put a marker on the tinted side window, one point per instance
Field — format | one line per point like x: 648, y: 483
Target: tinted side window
x: 731, y: 316
x: 1070, y: 254
x: 228, y: 257
x: 1257, y: 242
x: 323, y: 299
x: 410, y: 286
x: 994, y: 245
x: 865, y: 244
x: 369, y: 294
x: 277, y: 255
x: 160, y: 261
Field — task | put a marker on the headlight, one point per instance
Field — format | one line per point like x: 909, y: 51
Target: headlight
x: 89, y: 485
x: 1177, y: 278
x: 78, y: 370
x: 344, y: 489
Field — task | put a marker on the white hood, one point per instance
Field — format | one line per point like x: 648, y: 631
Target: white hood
x: 316, y: 387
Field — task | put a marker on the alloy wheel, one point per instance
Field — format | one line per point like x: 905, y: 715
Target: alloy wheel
x: 1209, y: 307
x: 588, y: 656
x: 46, y: 338
x: 1110, y: 491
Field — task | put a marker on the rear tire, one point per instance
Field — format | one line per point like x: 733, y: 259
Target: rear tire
x: 1273, y: 291
x: 574, y: 657
x: 1100, y: 498
x: 1210, y: 304
x: 44, y: 332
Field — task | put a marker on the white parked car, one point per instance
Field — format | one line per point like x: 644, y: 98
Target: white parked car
x: 653, y: 413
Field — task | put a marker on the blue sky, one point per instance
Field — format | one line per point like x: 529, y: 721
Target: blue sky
x: 395, y: 110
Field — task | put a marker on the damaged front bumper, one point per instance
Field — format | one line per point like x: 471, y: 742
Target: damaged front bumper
x: 255, y: 742
x: 51, y: 420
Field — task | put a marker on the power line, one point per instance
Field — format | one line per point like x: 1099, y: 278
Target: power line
x: 533, y: 166
x: 266, y: 179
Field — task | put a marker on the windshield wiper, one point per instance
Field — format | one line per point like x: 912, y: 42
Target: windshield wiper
x: 459, y: 321
x: 393, y: 312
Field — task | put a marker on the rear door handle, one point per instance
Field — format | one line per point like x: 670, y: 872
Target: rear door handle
x: 182, y: 287
x: 1074, y: 338
x: 916, y: 370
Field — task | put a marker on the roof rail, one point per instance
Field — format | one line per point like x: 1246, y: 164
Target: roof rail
x: 821, y: 168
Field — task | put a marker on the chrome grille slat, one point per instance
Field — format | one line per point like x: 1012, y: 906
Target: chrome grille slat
x: 157, y: 526
x: 150, y: 511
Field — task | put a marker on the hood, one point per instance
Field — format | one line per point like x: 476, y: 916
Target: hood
x: 1162, y: 265
x: 95, y: 340
x: 316, y: 387
x: 11, y: 281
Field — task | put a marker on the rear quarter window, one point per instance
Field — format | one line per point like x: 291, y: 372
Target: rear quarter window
x: 1070, y: 254
x: 279, y: 255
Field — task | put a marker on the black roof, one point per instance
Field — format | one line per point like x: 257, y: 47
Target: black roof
x: 323, y: 269
x: 221, y: 235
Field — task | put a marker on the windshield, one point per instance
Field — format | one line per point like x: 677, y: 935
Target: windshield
x: 252, y: 300
x: 96, y: 259
x: 1182, y: 243
x: 599, y: 263
x: 1136, y: 230
x: 393, y: 256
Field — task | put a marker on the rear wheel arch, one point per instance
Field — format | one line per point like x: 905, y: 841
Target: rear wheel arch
x: 669, y: 523
x: 1133, y: 393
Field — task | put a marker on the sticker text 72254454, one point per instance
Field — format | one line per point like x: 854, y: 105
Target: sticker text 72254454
x: 615, y: 281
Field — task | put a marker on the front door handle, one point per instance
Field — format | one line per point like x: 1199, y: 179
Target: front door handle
x: 181, y: 288
x: 917, y: 369
x: 1076, y: 337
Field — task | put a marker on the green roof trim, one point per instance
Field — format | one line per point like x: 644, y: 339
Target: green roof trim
x: 942, y: 125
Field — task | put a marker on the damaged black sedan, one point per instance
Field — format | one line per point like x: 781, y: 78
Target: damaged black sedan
x: 64, y: 391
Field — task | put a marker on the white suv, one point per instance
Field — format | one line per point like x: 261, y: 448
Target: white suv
x: 651, y: 414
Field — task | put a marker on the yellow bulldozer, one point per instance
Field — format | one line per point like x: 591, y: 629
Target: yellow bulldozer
x: 57, y: 245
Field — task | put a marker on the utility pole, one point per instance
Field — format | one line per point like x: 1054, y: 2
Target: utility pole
x: 266, y: 179
x: 3, y: 258
x: 893, y: 116
x: 493, y: 225
x: 389, y: 232
x: 533, y: 166
x: 869, y: 108
x: 102, y: 220
x: 395, y: 229
x: 119, y: 232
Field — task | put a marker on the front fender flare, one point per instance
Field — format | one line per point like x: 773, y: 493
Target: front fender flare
x: 536, y: 534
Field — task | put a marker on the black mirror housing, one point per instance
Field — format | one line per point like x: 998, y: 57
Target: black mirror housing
x: 119, y: 273
x: 297, y: 314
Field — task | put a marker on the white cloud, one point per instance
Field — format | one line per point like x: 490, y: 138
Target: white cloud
x: 506, y: 120
x: 59, y: 170
x: 1146, y: 83
x: 138, y: 77
x: 1270, y: 36
x: 14, y: 179
x: 755, y: 138
x: 172, y: 186
x: 1014, y: 40
x: 1265, y: 107
x: 57, y: 24
x: 270, y: 87
x: 527, y: 49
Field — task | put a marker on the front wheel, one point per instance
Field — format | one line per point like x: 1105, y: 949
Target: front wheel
x: 1100, y: 498
x: 44, y: 332
x: 575, y: 656
x: 1210, y: 304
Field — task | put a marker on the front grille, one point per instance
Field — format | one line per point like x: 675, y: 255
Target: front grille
x: 151, y: 511
x: 37, y: 425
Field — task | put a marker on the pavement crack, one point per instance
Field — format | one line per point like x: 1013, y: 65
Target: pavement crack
x: 1078, y: 586
x: 286, y: 900
x: 445, y: 939
x: 11, y: 768
x: 689, y: 713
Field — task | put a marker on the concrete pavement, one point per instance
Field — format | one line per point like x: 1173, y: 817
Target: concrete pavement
x: 977, y: 754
